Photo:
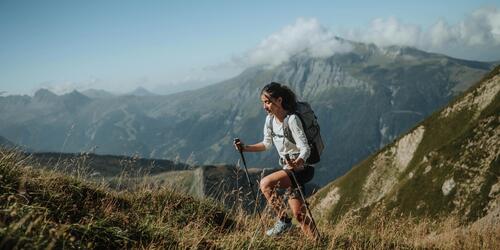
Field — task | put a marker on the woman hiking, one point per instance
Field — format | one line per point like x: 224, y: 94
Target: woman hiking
x: 280, y: 102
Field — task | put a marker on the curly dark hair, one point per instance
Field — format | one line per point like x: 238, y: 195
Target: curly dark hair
x: 275, y: 90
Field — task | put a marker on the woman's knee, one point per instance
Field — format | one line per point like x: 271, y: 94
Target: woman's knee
x: 275, y: 180
x: 265, y: 184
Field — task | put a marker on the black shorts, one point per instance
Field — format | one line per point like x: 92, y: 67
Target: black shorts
x: 302, y: 176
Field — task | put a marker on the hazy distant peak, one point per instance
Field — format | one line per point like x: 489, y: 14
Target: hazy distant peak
x: 141, y: 91
x: 75, y: 100
x: 97, y: 93
x: 44, y: 95
x: 44, y: 91
x: 75, y: 95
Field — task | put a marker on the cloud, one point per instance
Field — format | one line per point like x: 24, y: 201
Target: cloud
x: 477, y: 36
x: 390, y: 31
x: 480, y: 28
x: 304, y: 36
x: 441, y: 33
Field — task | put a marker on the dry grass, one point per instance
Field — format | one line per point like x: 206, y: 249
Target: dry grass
x: 50, y: 209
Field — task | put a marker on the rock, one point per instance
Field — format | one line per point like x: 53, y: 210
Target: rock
x: 448, y: 186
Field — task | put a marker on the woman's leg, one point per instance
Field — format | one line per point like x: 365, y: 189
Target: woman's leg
x: 299, y: 212
x: 268, y: 186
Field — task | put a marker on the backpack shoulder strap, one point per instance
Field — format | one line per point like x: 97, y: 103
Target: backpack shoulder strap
x: 286, y: 128
x: 270, y: 125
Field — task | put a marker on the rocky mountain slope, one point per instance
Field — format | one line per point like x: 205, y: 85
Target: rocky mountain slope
x: 5, y: 143
x: 364, y: 99
x: 448, y: 164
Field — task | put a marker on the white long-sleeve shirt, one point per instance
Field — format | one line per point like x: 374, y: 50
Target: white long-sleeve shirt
x: 283, y: 145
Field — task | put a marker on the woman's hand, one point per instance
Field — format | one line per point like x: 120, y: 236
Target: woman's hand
x: 294, y: 164
x: 239, y: 145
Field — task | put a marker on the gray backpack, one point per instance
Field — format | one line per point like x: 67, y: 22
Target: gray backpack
x: 311, y: 129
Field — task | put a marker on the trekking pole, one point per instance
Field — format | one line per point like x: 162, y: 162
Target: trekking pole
x: 236, y: 140
x: 304, y: 199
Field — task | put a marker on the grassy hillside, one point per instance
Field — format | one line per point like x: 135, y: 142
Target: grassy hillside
x: 42, y: 208
x: 447, y: 165
x: 45, y: 209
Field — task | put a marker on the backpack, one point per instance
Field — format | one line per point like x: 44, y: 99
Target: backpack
x: 311, y: 129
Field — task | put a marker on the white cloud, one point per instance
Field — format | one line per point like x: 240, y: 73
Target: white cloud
x: 304, y: 36
x: 441, y: 33
x: 481, y: 28
x: 477, y: 36
x: 390, y: 31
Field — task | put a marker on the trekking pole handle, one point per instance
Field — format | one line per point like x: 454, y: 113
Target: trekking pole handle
x: 237, y: 141
x: 287, y: 157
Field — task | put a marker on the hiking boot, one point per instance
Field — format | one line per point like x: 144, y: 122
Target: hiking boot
x: 279, y: 228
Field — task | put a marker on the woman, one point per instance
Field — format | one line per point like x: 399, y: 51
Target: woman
x: 279, y: 102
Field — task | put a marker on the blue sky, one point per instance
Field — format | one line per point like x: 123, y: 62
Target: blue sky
x: 120, y: 45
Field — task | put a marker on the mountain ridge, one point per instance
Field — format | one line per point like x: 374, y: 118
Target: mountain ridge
x: 363, y: 99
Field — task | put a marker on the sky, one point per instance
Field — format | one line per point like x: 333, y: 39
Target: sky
x: 121, y: 45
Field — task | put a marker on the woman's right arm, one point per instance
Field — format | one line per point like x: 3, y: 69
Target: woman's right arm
x: 266, y: 143
x: 254, y: 147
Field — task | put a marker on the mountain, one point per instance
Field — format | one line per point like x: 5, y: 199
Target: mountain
x: 140, y: 91
x: 97, y: 93
x: 185, y: 85
x: 364, y: 99
x: 44, y: 95
x: 6, y: 143
x: 449, y: 164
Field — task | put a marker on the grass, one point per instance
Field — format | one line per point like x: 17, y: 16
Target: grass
x: 42, y: 208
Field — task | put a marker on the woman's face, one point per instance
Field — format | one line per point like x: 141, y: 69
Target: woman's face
x: 271, y: 105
